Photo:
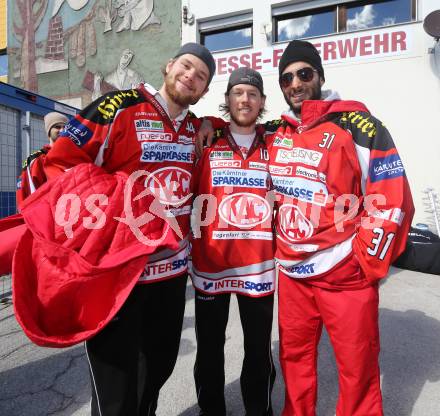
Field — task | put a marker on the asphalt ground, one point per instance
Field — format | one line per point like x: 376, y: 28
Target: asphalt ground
x: 38, y: 381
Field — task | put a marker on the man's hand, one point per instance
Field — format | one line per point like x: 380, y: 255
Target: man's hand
x: 204, y: 135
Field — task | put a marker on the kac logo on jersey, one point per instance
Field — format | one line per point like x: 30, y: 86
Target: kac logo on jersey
x: 294, y: 226
x: 387, y: 167
x: 244, y: 210
x: 170, y: 185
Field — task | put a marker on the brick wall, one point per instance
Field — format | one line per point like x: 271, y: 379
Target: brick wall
x: 55, y: 39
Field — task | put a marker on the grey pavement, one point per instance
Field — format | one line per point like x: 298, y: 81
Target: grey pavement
x: 38, y: 381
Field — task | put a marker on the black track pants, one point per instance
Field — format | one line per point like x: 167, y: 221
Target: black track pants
x: 258, y: 372
x: 133, y: 356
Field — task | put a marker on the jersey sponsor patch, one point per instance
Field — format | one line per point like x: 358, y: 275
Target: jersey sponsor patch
x: 387, y: 167
x: 240, y: 178
x: 299, y: 155
x: 154, y: 136
x: 310, y: 174
x: 308, y: 248
x: 395, y: 215
x: 105, y: 111
x: 190, y: 127
x: 221, y: 154
x: 148, y: 125
x: 283, y: 142
x: 302, y: 189
x: 158, y: 152
x: 244, y: 210
x: 231, y: 284
x: 258, y: 165
x: 171, y: 185
x: 225, y: 164
x: 77, y: 132
x: 169, y: 267
x: 280, y: 170
x: 242, y: 235
x: 302, y: 270
x: 185, y: 139
x: 293, y: 224
x: 176, y: 212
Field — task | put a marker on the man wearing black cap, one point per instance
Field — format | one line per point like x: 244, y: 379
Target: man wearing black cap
x: 232, y: 251
x: 151, y: 131
x: 344, y: 209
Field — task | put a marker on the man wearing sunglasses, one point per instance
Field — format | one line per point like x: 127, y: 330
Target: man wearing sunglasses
x: 343, y: 215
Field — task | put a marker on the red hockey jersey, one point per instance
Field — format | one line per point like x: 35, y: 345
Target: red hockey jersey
x: 232, y: 244
x: 343, y: 197
x: 32, y: 175
x: 130, y: 131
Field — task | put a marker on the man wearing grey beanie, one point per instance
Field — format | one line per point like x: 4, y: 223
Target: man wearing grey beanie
x: 343, y: 215
x: 149, y: 131
x: 33, y: 174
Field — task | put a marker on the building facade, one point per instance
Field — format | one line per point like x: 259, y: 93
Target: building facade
x: 3, y: 42
x: 373, y: 51
x: 75, y: 50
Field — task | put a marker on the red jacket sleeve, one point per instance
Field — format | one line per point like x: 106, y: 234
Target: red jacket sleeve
x: 388, y: 205
x: 86, y: 136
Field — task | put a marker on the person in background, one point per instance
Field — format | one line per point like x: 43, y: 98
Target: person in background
x: 33, y: 174
x: 233, y: 254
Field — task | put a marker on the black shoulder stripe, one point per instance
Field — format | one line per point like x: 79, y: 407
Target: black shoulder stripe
x: 103, y: 110
x: 367, y: 130
x: 273, y: 125
x: 33, y: 156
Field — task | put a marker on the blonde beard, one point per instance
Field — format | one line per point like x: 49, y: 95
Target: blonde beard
x: 180, y: 99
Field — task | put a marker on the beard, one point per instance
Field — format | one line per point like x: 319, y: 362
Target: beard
x: 183, y: 100
x: 313, y: 92
x: 242, y: 123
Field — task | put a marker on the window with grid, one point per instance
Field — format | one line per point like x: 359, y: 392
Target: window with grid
x: 8, y: 160
x: 229, y: 32
x: 303, y: 21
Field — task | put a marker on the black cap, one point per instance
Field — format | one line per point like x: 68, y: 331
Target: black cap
x: 245, y: 75
x: 300, y: 50
x: 202, y: 53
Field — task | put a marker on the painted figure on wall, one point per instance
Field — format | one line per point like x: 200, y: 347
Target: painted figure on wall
x: 74, y: 4
x: 121, y: 77
x: 135, y: 14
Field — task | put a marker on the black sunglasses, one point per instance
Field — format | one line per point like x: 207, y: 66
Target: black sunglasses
x: 304, y: 74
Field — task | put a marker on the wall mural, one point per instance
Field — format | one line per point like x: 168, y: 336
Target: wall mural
x: 74, y: 4
x: 84, y: 40
x: 121, y: 78
x: 31, y: 13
